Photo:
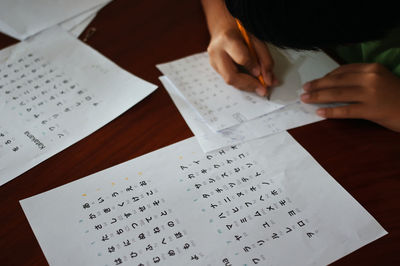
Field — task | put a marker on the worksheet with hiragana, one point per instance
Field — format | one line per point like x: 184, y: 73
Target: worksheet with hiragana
x: 290, y: 116
x: 221, y: 105
x: 54, y: 91
x: 266, y: 202
x: 313, y: 65
x: 76, y: 25
x: 24, y: 18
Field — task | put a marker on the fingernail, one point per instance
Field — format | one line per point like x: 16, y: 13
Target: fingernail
x: 307, y: 86
x: 305, y: 96
x: 321, y: 112
x: 261, y: 91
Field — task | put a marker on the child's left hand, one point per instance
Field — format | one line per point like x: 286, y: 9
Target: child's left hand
x: 371, y: 91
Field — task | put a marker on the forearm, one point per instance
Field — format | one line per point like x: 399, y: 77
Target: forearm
x: 217, y: 16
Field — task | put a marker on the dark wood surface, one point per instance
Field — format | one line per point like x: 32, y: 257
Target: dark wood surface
x: 363, y: 157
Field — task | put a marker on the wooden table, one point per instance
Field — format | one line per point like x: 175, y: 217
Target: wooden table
x: 363, y: 157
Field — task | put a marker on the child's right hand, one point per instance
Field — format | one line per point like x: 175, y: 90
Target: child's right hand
x: 227, y: 49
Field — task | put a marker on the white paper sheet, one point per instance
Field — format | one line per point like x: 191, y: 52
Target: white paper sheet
x: 290, y: 116
x: 76, y: 25
x: 266, y: 202
x: 23, y: 18
x: 311, y: 65
x: 54, y: 91
x: 79, y: 28
x: 221, y: 105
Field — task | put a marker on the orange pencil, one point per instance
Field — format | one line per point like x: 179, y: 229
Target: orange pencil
x: 251, y: 48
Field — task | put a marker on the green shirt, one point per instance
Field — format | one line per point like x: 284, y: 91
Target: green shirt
x: 385, y: 52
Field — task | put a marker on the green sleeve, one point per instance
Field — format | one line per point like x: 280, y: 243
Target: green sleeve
x: 385, y: 52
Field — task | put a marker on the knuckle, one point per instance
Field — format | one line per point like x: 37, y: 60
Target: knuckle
x: 230, y: 79
x: 315, y: 84
x: 372, y: 90
x: 314, y: 96
x: 231, y: 34
x: 312, y: 84
x: 214, y: 65
x: 336, y: 94
x: 343, y: 112
x: 210, y: 49
x: 371, y: 81
x: 329, y: 112
x: 244, y: 60
x: 372, y: 77
x: 212, y: 56
x: 375, y: 67
x: 213, y: 49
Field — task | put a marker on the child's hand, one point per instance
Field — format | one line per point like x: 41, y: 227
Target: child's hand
x: 227, y: 47
x: 372, y: 91
x: 227, y: 50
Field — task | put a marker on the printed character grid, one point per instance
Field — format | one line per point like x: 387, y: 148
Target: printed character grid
x: 210, y: 95
x: 132, y: 224
x: 247, y: 206
x: 40, y: 94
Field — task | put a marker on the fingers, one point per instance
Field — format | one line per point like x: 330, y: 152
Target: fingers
x: 228, y: 50
x: 229, y: 72
x: 331, y: 95
x: 240, y: 53
x: 357, y: 68
x: 265, y: 60
x: 371, y: 90
x: 338, y: 80
x: 348, y: 111
x: 249, y: 83
x: 349, y: 75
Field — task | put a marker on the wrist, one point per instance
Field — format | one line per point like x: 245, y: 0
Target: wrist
x: 223, y: 27
x: 219, y: 20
